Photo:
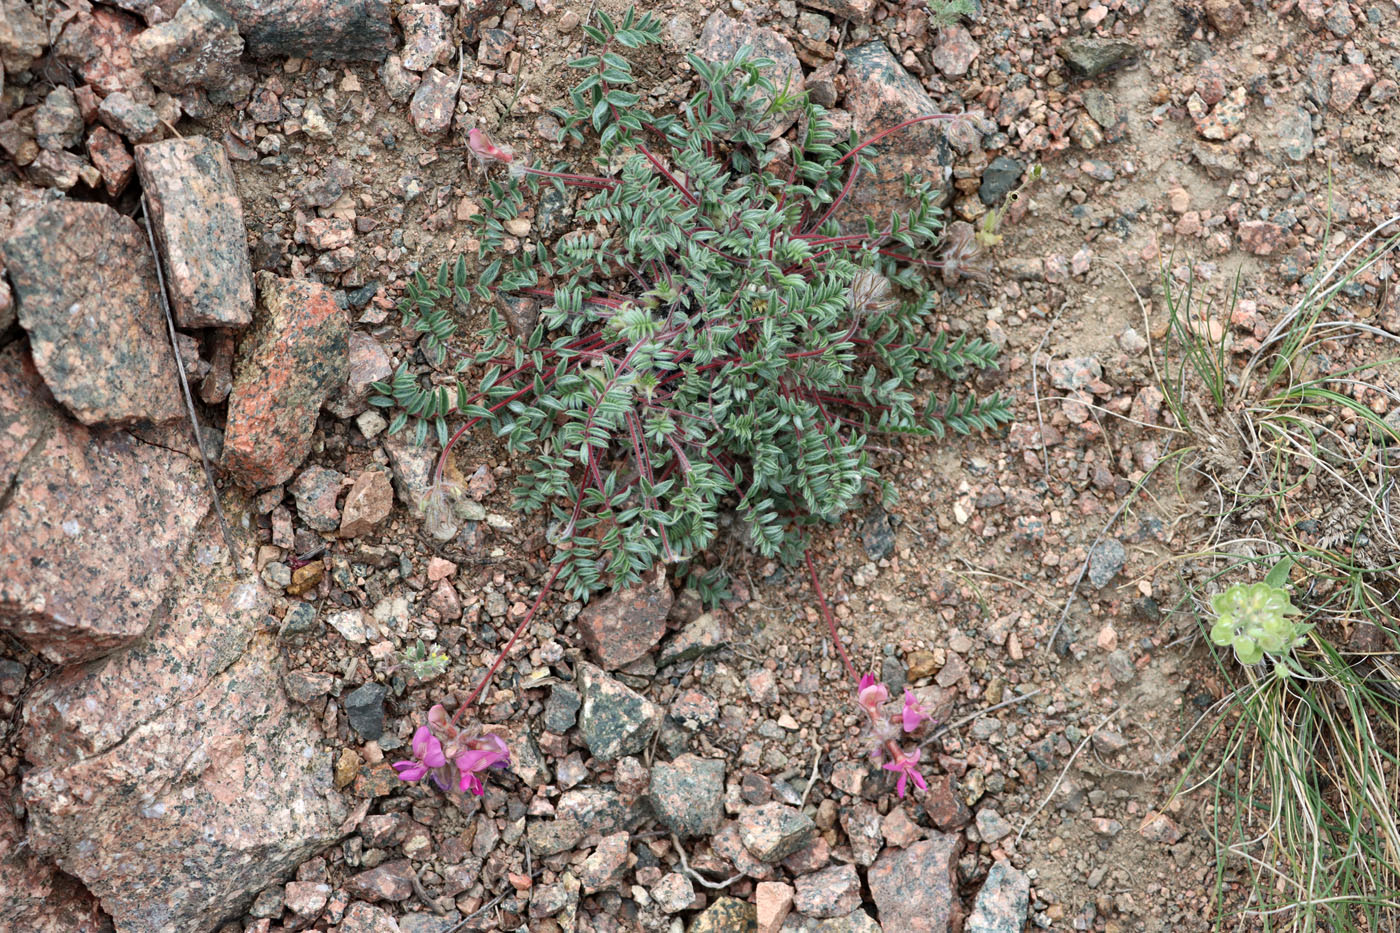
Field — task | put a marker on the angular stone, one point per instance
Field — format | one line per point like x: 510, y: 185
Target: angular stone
x: 57, y: 169
x: 614, y: 720
x: 1260, y: 237
x: 706, y: 633
x: 425, y: 41
x: 316, y: 490
x: 22, y: 36
x: 357, y: 30
x: 108, y: 154
x: 1090, y: 56
x: 998, y: 180
x: 199, y: 48
x: 773, y: 831
x: 673, y: 893
x: 369, y: 362
x: 603, y: 869
x: 87, y: 292
x: 58, y: 124
x: 387, y: 882
x: 366, y: 918
x: 35, y: 897
x: 882, y: 95
x: 287, y: 364
x: 364, y: 708
x: 98, y: 46
x: 831, y: 892
x: 1002, y: 903
x: 135, y: 121
x: 434, y: 102
x: 198, y: 222
x: 726, y: 915
x: 915, y: 889
x: 773, y: 901
x: 857, y: 921
x: 625, y: 625
x: 399, y: 83
x: 857, y: 11
x: 231, y: 786
x: 720, y: 41
x: 955, y: 52
x: 688, y: 795
x: 368, y: 503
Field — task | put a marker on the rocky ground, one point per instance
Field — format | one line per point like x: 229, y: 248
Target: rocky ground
x: 194, y: 741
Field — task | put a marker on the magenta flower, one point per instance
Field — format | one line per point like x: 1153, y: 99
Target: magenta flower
x: 906, y: 764
x: 488, y: 751
x: 427, y: 755
x: 913, y: 713
x: 872, y: 694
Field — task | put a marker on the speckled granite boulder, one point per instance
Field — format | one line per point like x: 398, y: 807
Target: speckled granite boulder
x: 179, y: 825
x: 881, y: 95
x: 359, y: 30
x: 294, y: 356
x: 199, y: 47
x: 36, y: 897
x: 198, y: 222
x: 93, y: 524
x: 81, y: 712
x: 722, y: 38
x: 86, y: 289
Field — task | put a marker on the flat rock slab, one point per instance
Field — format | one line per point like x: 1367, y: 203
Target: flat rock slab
x: 84, y: 711
x: 292, y: 359
x: 359, y: 30
x: 881, y: 95
x: 198, y: 222
x: 178, y: 826
x: 87, y: 294
x: 91, y: 528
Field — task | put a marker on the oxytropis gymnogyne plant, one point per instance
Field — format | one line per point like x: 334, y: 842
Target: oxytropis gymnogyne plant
x: 711, y: 335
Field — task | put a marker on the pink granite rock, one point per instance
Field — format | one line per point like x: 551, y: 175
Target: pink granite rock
x: 199, y: 47
x: 625, y: 625
x: 881, y: 94
x: 93, y: 523
x: 98, y: 46
x: 915, y: 889
x: 291, y: 359
x: 36, y: 897
x: 198, y: 222
x: 198, y: 808
x: 86, y: 286
x: 85, y: 711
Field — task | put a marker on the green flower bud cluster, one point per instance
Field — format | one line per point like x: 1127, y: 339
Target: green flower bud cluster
x: 1253, y: 618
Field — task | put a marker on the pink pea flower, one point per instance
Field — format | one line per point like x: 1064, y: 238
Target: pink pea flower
x: 485, y: 150
x: 427, y: 755
x: 913, y: 713
x: 906, y: 764
x: 872, y: 694
x: 488, y: 751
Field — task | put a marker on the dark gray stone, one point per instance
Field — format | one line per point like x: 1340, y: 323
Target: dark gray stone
x: 364, y: 707
x: 561, y: 712
x: 999, y: 179
x: 615, y: 720
x: 688, y: 795
x: 1106, y: 560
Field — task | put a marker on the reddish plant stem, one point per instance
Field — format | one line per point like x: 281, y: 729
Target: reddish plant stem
x: 895, y: 129
x: 491, y: 672
x: 830, y: 619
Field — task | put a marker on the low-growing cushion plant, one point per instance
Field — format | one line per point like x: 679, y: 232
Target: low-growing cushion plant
x: 708, y: 337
